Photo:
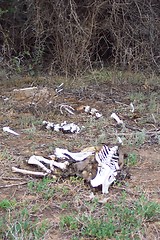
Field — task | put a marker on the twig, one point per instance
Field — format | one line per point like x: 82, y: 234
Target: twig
x: 133, y: 128
x: 13, y: 185
x: 153, y: 118
x: 11, y: 179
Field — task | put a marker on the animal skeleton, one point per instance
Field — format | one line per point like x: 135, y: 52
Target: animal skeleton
x: 106, y: 159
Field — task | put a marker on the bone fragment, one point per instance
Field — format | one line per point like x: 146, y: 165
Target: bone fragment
x: 25, y: 89
x: 59, y: 88
x: 116, y: 118
x: 132, y: 107
x: 87, y: 109
x: 67, y: 108
x: 71, y: 128
x: 64, y: 153
x: 119, y: 139
x: 7, y: 129
x: 27, y: 172
x: 36, y: 160
x: 98, y: 115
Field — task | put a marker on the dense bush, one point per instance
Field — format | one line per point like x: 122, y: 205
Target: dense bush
x: 71, y: 36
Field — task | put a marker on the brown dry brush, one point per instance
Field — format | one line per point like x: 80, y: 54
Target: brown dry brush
x: 73, y: 36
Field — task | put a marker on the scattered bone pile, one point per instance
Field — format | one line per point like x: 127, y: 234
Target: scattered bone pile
x: 63, y: 127
x: 89, y: 110
x: 83, y: 108
x: 99, y: 167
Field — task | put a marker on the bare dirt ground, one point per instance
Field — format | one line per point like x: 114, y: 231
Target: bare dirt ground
x: 141, y: 135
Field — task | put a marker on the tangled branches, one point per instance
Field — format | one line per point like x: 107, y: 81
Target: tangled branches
x: 72, y: 36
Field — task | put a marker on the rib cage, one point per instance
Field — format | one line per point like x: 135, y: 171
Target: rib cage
x: 107, y: 159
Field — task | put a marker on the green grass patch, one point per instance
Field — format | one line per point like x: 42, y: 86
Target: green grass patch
x: 7, y: 204
x: 120, y: 220
x: 131, y: 160
x: 43, y: 187
x: 5, y: 155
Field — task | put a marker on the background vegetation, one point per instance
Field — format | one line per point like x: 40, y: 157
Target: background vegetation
x: 73, y: 36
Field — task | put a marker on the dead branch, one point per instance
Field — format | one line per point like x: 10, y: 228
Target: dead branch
x: 71, y: 36
x: 13, y: 185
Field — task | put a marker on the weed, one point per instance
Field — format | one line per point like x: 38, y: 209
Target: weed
x: 65, y: 190
x: 138, y: 138
x: 131, y: 159
x: 69, y: 222
x: 7, y: 204
x: 76, y: 180
x: 43, y: 187
x: 5, y: 154
x: 64, y: 205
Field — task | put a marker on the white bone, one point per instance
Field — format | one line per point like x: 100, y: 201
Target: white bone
x: 106, y: 171
x: 36, y: 160
x: 71, y: 127
x: 60, y: 165
x: 23, y: 171
x: 115, y: 117
x: 52, y: 163
x: 57, y: 127
x: 59, y: 89
x: 7, y: 129
x: 68, y: 108
x: 64, y: 153
x: 98, y: 115
x: 60, y: 153
x: 64, y: 127
x: 102, y: 177
x: 93, y: 111
x: 120, y: 140
x: 24, y: 89
x: 87, y: 109
x: 49, y: 125
x: 132, y: 107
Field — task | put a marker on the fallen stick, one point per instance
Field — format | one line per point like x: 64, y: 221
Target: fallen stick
x: 11, y: 179
x: 27, y: 172
x: 13, y: 185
